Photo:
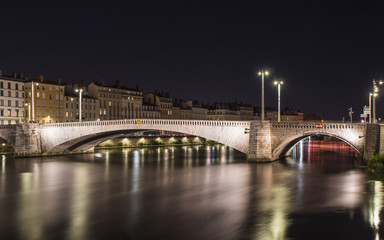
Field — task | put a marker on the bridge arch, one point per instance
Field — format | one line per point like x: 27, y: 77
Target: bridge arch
x: 71, y: 137
x: 284, y: 147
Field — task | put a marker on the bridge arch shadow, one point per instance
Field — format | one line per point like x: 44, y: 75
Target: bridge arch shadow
x: 285, y: 147
x: 85, y: 143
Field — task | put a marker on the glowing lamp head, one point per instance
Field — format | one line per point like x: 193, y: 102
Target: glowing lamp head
x: 266, y: 73
x: 278, y: 82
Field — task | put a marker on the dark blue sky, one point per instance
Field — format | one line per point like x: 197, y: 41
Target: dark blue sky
x: 326, y: 52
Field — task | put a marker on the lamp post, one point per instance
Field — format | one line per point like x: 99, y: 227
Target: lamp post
x: 375, y: 91
x: 278, y: 83
x: 29, y: 111
x: 80, y: 91
x: 33, y: 99
x: 370, y: 107
x: 262, y: 73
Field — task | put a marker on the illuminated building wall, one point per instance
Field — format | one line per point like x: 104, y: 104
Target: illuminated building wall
x: 11, y: 99
x: 48, y: 100
x: 117, y: 103
x: 163, y: 101
x: 90, y: 109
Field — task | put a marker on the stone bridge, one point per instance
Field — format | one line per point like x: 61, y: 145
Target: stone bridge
x: 260, y: 140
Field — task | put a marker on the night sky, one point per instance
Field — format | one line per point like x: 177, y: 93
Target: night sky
x: 327, y: 53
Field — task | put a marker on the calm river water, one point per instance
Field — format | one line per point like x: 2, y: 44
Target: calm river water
x: 191, y: 193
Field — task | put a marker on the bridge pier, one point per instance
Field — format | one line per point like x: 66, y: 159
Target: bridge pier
x: 374, y: 141
x: 260, y: 142
x: 27, y: 140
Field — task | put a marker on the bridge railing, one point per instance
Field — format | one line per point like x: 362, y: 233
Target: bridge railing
x: 314, y: 125
x: 13, y: 126
x: 150, y: 122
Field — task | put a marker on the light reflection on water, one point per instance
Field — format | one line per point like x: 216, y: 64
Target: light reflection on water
x: 190, y: 192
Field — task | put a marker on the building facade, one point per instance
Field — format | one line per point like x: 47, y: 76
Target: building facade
x: 12, y: 99
x: 151, y: 111
x: 47, y: 101
x: 117, y: 103
x: 163, y: 101
x: 89, y: 109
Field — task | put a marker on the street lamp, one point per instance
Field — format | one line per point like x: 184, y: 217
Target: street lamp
x: 262, y: 73
x: 29, y: 111
x: 278, y: 83
x: 80, y: 91
x: 33, y: 99
x: 375, y: 91
x: 370, y: 107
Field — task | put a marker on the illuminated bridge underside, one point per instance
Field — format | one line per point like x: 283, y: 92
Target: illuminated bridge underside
x: 260, y: 140
x: 73, y: 137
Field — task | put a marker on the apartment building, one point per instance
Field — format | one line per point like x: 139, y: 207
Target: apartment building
x: 116, y: 102
x: 47, y: 101
x: 224, y: 111
x: 89, y: 109
x: 151, y: 111
x: 163, y: 101
x: 12, y: 99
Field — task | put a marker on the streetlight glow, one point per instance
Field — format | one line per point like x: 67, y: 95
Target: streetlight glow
x: 262, y: 73
x: 29, y: 111
x: 33, y: 99
x: 80, y: 91
x: 370, y: 107
x: 375, y: 91
x: 278, y: 83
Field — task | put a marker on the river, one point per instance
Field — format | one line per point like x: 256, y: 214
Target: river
x: 197, y: 192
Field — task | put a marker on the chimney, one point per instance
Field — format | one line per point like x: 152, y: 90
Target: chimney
x: 41, y: 78
x: 1, y: 73
x: 59, y: 80
x: 14, y: 74
x: 21, y: 76
x: 102, y: 81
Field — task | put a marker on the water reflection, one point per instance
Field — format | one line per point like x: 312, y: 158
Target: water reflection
x: 193, y: 192
x: 373, y: 206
